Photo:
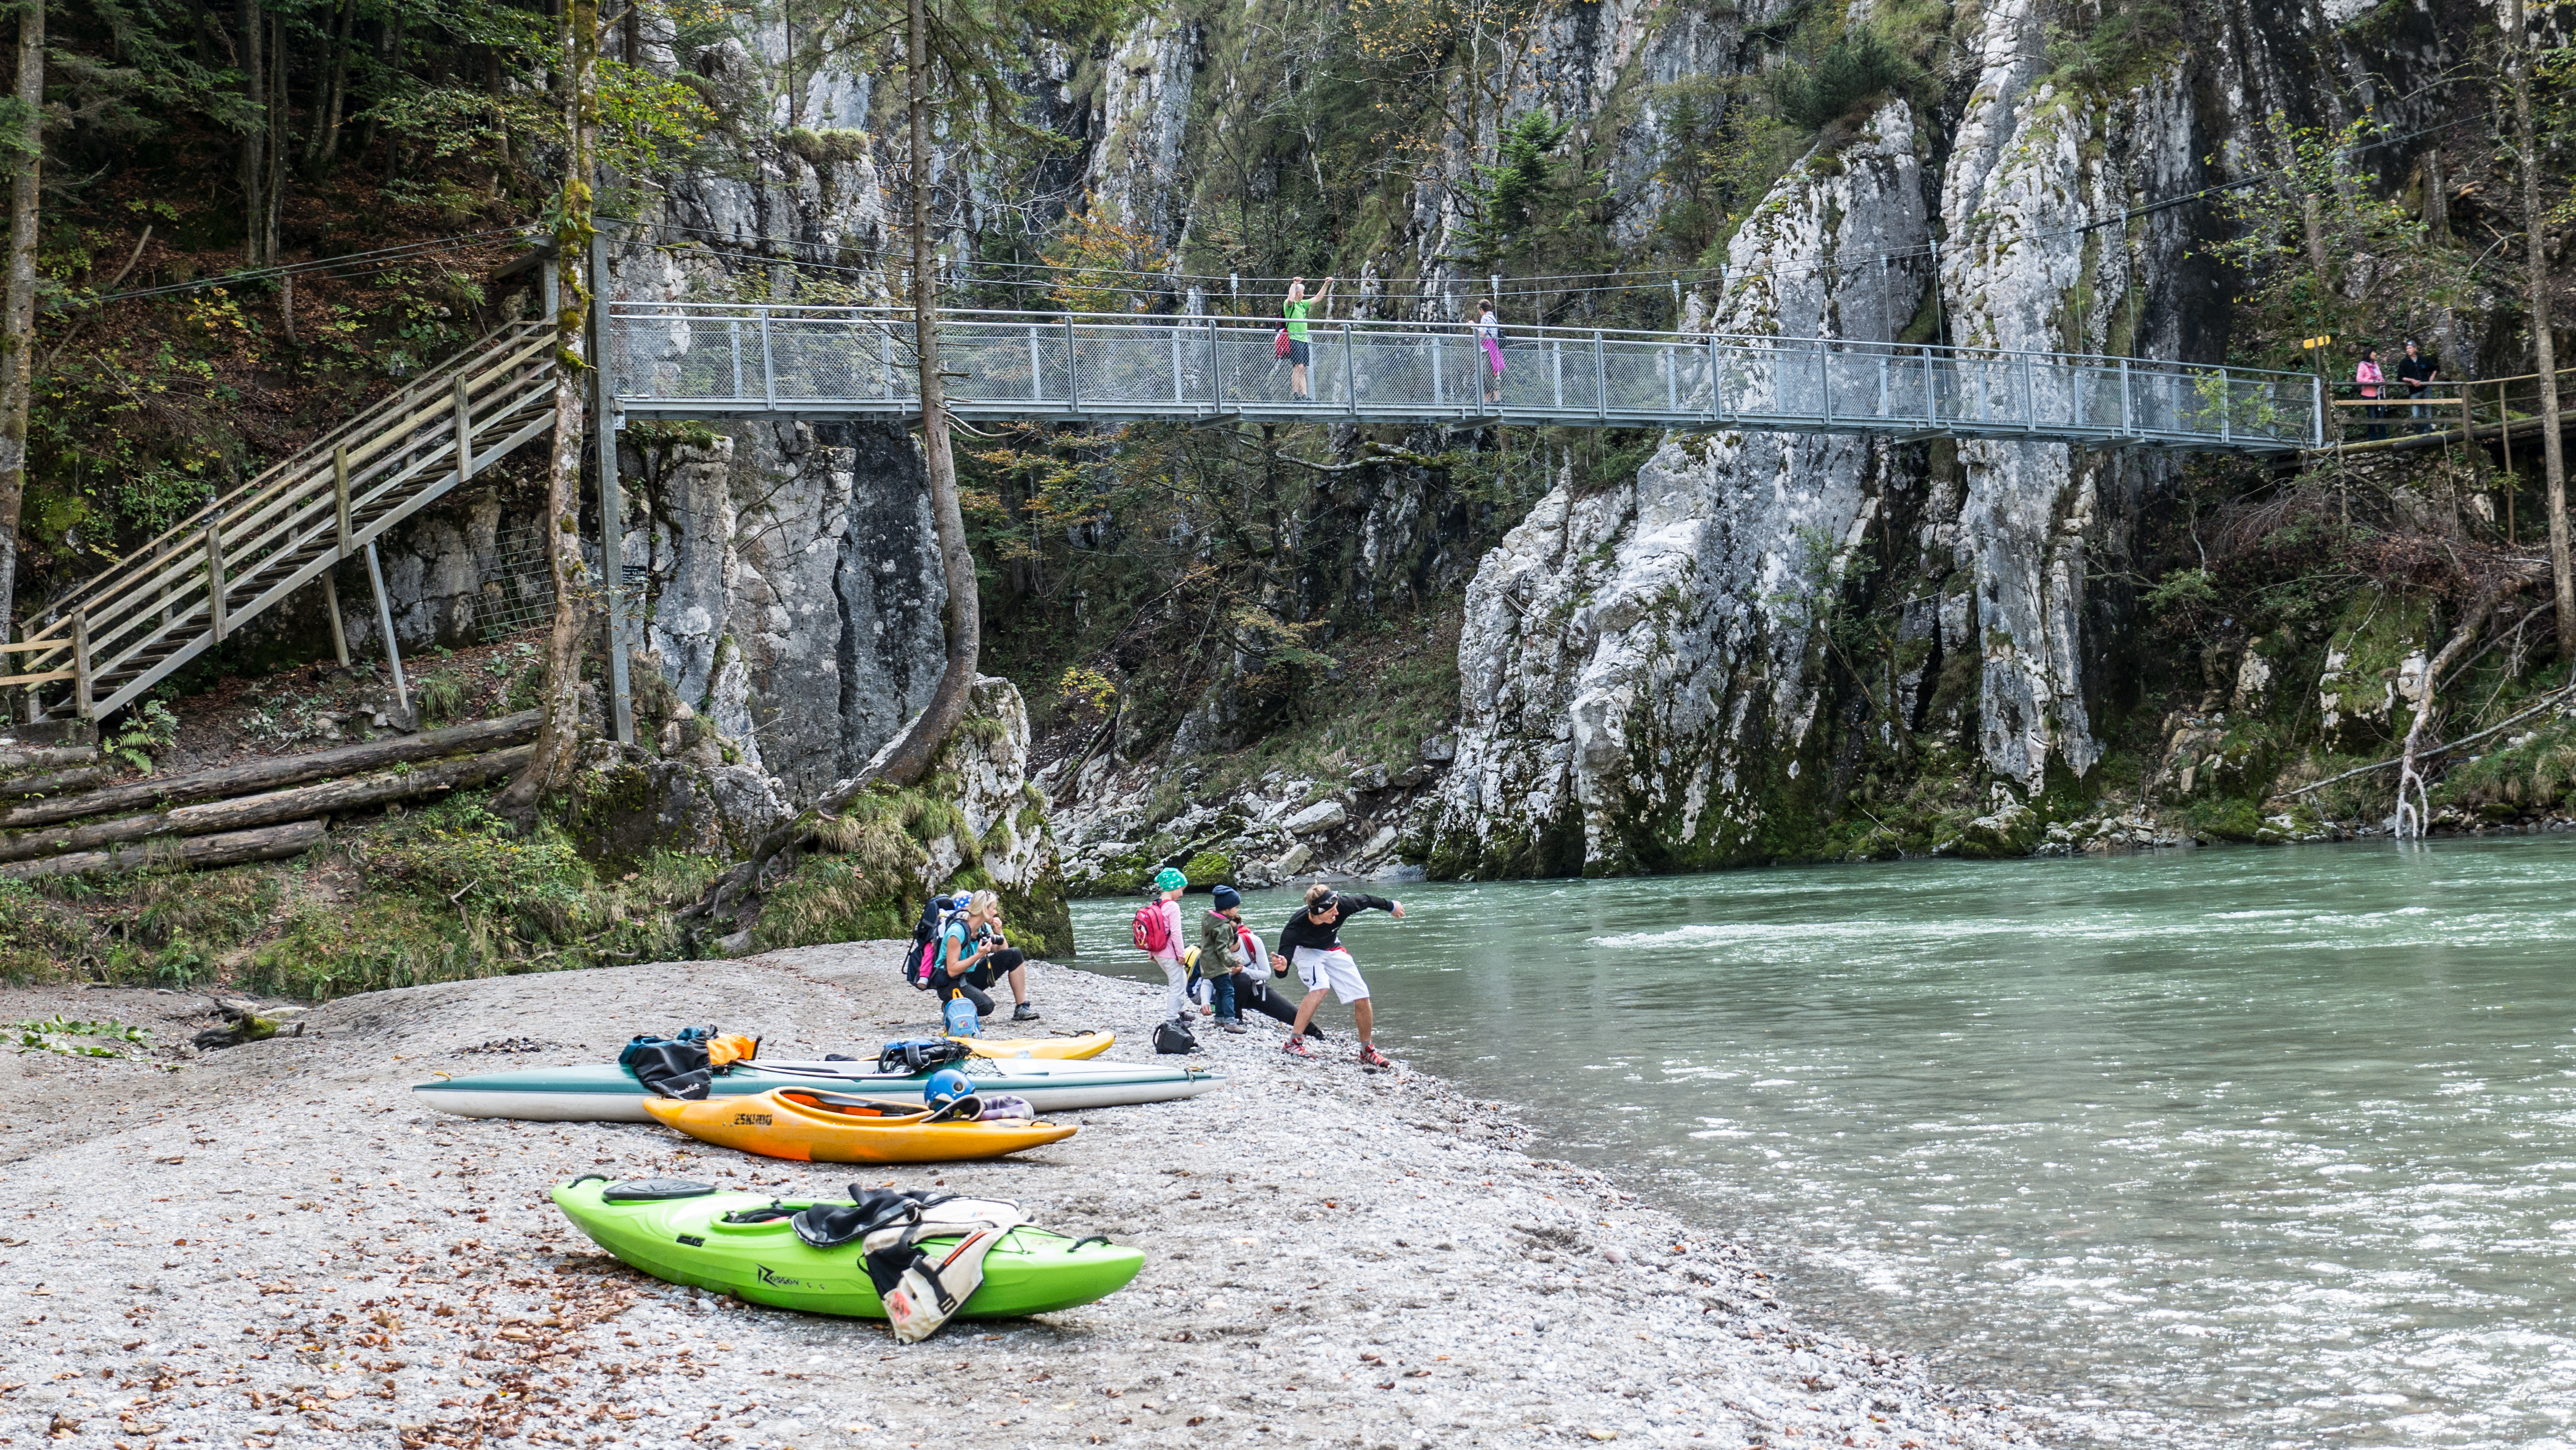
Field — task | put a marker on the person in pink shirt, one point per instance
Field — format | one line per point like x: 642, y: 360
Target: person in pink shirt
x: 1169, y: 883
x: 2367, y: 373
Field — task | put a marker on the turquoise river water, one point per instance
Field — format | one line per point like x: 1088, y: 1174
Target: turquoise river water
x: 2279, y: 1144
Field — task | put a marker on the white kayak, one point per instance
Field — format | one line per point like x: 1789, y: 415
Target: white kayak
x: 596, y: 1093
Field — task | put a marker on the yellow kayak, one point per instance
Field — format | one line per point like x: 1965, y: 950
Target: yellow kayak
x: 810, y: 1126
x: 1089, y: 1044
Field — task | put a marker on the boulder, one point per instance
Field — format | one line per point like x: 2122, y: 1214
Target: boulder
x: 1317, y: 818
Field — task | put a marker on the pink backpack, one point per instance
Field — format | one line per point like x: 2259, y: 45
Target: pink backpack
x: 1152, y: 929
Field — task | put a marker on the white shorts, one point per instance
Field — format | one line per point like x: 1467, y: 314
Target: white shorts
x: 1334, y: 969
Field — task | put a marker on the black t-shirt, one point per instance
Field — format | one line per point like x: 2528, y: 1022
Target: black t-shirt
x: 1301, y: 932
x: 2415, y: 372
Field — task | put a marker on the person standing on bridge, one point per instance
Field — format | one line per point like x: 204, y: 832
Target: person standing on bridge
x: 1489, y: 340
x: 2419, y: 374
x: 1299, y: 353
x: 2367, y: 373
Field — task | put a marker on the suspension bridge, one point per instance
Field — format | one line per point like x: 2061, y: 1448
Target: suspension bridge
x: 118, y: 634
x: 719, y: 360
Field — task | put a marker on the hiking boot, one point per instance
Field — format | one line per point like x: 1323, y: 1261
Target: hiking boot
x: 1296, y: 1047
x: 1024, y: 1013
x: 1371, y: 1057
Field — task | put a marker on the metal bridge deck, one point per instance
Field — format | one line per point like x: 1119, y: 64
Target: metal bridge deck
x: 723, y: 360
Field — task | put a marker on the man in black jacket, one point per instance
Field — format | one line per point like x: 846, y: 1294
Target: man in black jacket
x: 1311, y: 943
x: 2418, y: 373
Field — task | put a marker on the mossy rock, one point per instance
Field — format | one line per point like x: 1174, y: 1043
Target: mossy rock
x: 2011, y: 832
x: 2225, y: 820
x: 1208, y: 868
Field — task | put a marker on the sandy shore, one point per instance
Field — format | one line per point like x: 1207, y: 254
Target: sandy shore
x: 276, y: 1245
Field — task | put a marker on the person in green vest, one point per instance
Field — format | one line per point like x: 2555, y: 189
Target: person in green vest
x: 1299, y: 304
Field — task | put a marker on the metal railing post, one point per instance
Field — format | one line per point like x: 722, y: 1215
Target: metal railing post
x: 1600, y: 378
x: 1882, y: 386
x: 768, y: 367
x: 2317, y: 410
x: 1716, y: 382
x: 1556, y: 368
x: 1216, y: 370
x: 1177, y: 399
x: 1931, y: 407
x: 1072, y: 370
x: 733, y: 336
x: 1672, y: 378
x: 1037, y: 369
x: 1825, y: 382
x: 2128, y: 406
x: 2029, y: 397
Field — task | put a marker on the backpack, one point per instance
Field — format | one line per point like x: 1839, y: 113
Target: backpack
x: 1279, y: 344
x: 959, y: 1017
x: 1173, y: 1038
x: 927, y: 934
x: 919, y: 1054
x: 1152, y: 929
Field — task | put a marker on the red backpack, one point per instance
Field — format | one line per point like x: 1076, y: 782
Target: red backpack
x: 1152, y: 929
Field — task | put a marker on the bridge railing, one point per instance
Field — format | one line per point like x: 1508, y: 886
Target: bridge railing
x: 721, y: 359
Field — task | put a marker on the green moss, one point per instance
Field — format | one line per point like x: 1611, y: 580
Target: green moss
x: 1208, y: 867
x: 2224, y: 820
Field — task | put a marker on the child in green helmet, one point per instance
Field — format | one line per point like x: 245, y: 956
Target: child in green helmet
x: 1169, y: 883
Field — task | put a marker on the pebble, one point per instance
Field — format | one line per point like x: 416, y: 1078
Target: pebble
x: 1334, y: 1256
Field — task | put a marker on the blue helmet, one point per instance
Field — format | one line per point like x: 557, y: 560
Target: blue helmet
x: 945, y: 1086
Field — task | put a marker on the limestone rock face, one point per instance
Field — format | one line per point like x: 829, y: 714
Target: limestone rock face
x: 1635, y: 662
x: 628, y: 805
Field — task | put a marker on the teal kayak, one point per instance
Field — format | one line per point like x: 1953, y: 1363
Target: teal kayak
x: 605, y: 1093
x: 677, y: 1231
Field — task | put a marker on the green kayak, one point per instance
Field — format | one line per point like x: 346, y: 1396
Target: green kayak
x: 675, y: 1230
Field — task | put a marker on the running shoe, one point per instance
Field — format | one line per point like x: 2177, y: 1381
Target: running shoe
x: 1024, y: 1013
x: 1296, y: 1047
x: 1371, y: 1057
x: 1233, y: 1027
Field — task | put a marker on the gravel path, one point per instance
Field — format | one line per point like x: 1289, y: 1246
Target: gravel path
x: 275, y: 1245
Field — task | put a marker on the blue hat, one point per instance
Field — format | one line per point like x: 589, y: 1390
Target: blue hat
x: 1227, y: 898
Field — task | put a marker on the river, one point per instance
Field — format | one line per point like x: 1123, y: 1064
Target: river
x: 2277, y: 1143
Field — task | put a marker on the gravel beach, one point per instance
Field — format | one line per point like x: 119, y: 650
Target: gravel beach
x: 277, y: 1245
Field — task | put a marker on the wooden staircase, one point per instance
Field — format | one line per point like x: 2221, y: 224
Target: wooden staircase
x: 100, y: 647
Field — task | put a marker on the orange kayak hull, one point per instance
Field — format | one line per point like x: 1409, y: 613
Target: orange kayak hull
x: 804, y: 1125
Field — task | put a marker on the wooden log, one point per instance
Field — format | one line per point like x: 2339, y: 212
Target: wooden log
x: 330, y: 798
x: 52, y: 782
x: 45, y: 757
x: 284, y: 770
x: 194, y: 852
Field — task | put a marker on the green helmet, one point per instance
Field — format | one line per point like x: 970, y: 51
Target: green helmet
x: 1171, y: 879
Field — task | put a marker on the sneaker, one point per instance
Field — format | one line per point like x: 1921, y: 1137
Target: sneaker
x: 1233, y: 1027
x: 1296, y: 1047
x: 1024, y: 1013
x: 1371, y: 1057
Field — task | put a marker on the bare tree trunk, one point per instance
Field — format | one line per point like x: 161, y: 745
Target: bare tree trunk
x: 2553, y: 458
x: 559, y: 740
x: 323, y: 147
x: 280, y: 133
x: 906, y: 758
x: 18, y: 305
x: 254, y: 146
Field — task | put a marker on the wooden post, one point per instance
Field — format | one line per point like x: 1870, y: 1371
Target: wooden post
x: 385, y: 623
x: 215, y: 579
x: 340, y: 503
x: 80, y: 664
x: 464, y: 433
x: 331, y: 606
